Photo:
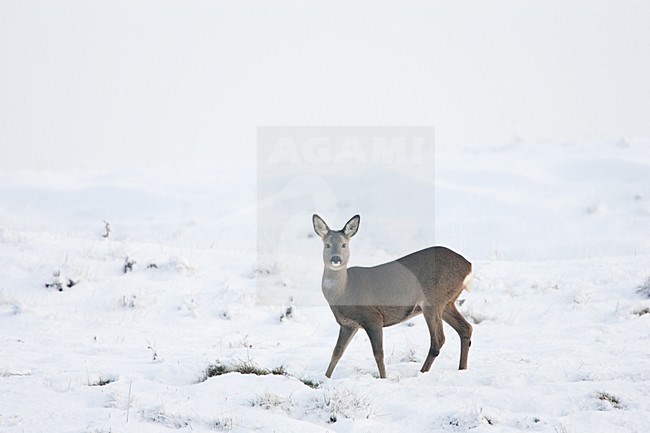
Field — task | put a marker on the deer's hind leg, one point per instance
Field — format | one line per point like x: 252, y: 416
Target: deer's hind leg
x: 452, y: 316
x: 433, y: 317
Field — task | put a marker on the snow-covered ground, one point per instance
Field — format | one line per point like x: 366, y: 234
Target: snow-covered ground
x: 558, y: 235
x: 144, y: 114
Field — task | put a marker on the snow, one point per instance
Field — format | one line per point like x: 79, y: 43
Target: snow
x: 554, y: 302
x: 144, y: 115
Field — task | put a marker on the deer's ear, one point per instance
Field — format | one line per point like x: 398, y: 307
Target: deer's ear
x: 320, y: 227
x: 352, y: 226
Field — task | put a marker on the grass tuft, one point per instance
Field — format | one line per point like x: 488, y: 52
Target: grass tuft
x: 280, y: 371
x: 337, y: 404
x: 250, y: 368
x: 219, y: 368
x: 215, y: 370
x: 642, y: 311
x: 103, y: 382
x: 269, y: 401
x: 644, y: 288
x: 314, y: 384
x: 610, y: 398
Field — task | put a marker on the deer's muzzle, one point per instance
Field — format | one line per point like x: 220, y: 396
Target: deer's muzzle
x: 336, y: 261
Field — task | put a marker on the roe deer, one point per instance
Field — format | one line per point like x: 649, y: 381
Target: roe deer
x: 427, y: 281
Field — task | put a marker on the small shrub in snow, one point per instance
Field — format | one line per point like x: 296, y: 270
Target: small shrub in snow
x: 344, y: 403
x: 107, y: 229
x: 467, y: 421
x: 280, y: 371
x: 260, y: 272
x: 644, y: 288
x: 610, y: 400
x: 152, y: 348
x: 226, y: 423
x: 530, y: 423
x: 310, y: 382
x: 55, y: 285
x: 128, y: 301
x: 60, y: 282
x: 287, y: 314
x: 241, y: 343
x: 215, y: 370
x: 249, y: 368
x: 288, y: 311
x: 129, y: 262
x: 270, y: 401
x: 103, y: 381
x: 7, y: 373
x: 159, y: 416
x: 642, y: 311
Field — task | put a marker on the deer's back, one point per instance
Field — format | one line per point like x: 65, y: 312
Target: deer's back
x: 433, y: 274
x: 437, y: 268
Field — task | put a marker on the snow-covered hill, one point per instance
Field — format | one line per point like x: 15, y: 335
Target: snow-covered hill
x: 559, y: 240
x: 141, y: 117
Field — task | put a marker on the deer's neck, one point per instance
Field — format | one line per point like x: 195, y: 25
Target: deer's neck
x: 334, y: 283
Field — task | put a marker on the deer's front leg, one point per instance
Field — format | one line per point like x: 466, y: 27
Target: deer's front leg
x: 345, y: 335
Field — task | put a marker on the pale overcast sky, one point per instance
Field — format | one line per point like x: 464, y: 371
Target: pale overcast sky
x: 97, y: 83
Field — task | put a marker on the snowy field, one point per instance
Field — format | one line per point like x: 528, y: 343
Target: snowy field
x: 141, y: 116
x: 559, y: 243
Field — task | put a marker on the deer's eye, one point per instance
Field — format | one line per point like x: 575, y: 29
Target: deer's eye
x: 344, y: 245
x: 328, y: 246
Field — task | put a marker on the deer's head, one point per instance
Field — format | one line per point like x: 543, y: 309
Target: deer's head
x: 335, y: 243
